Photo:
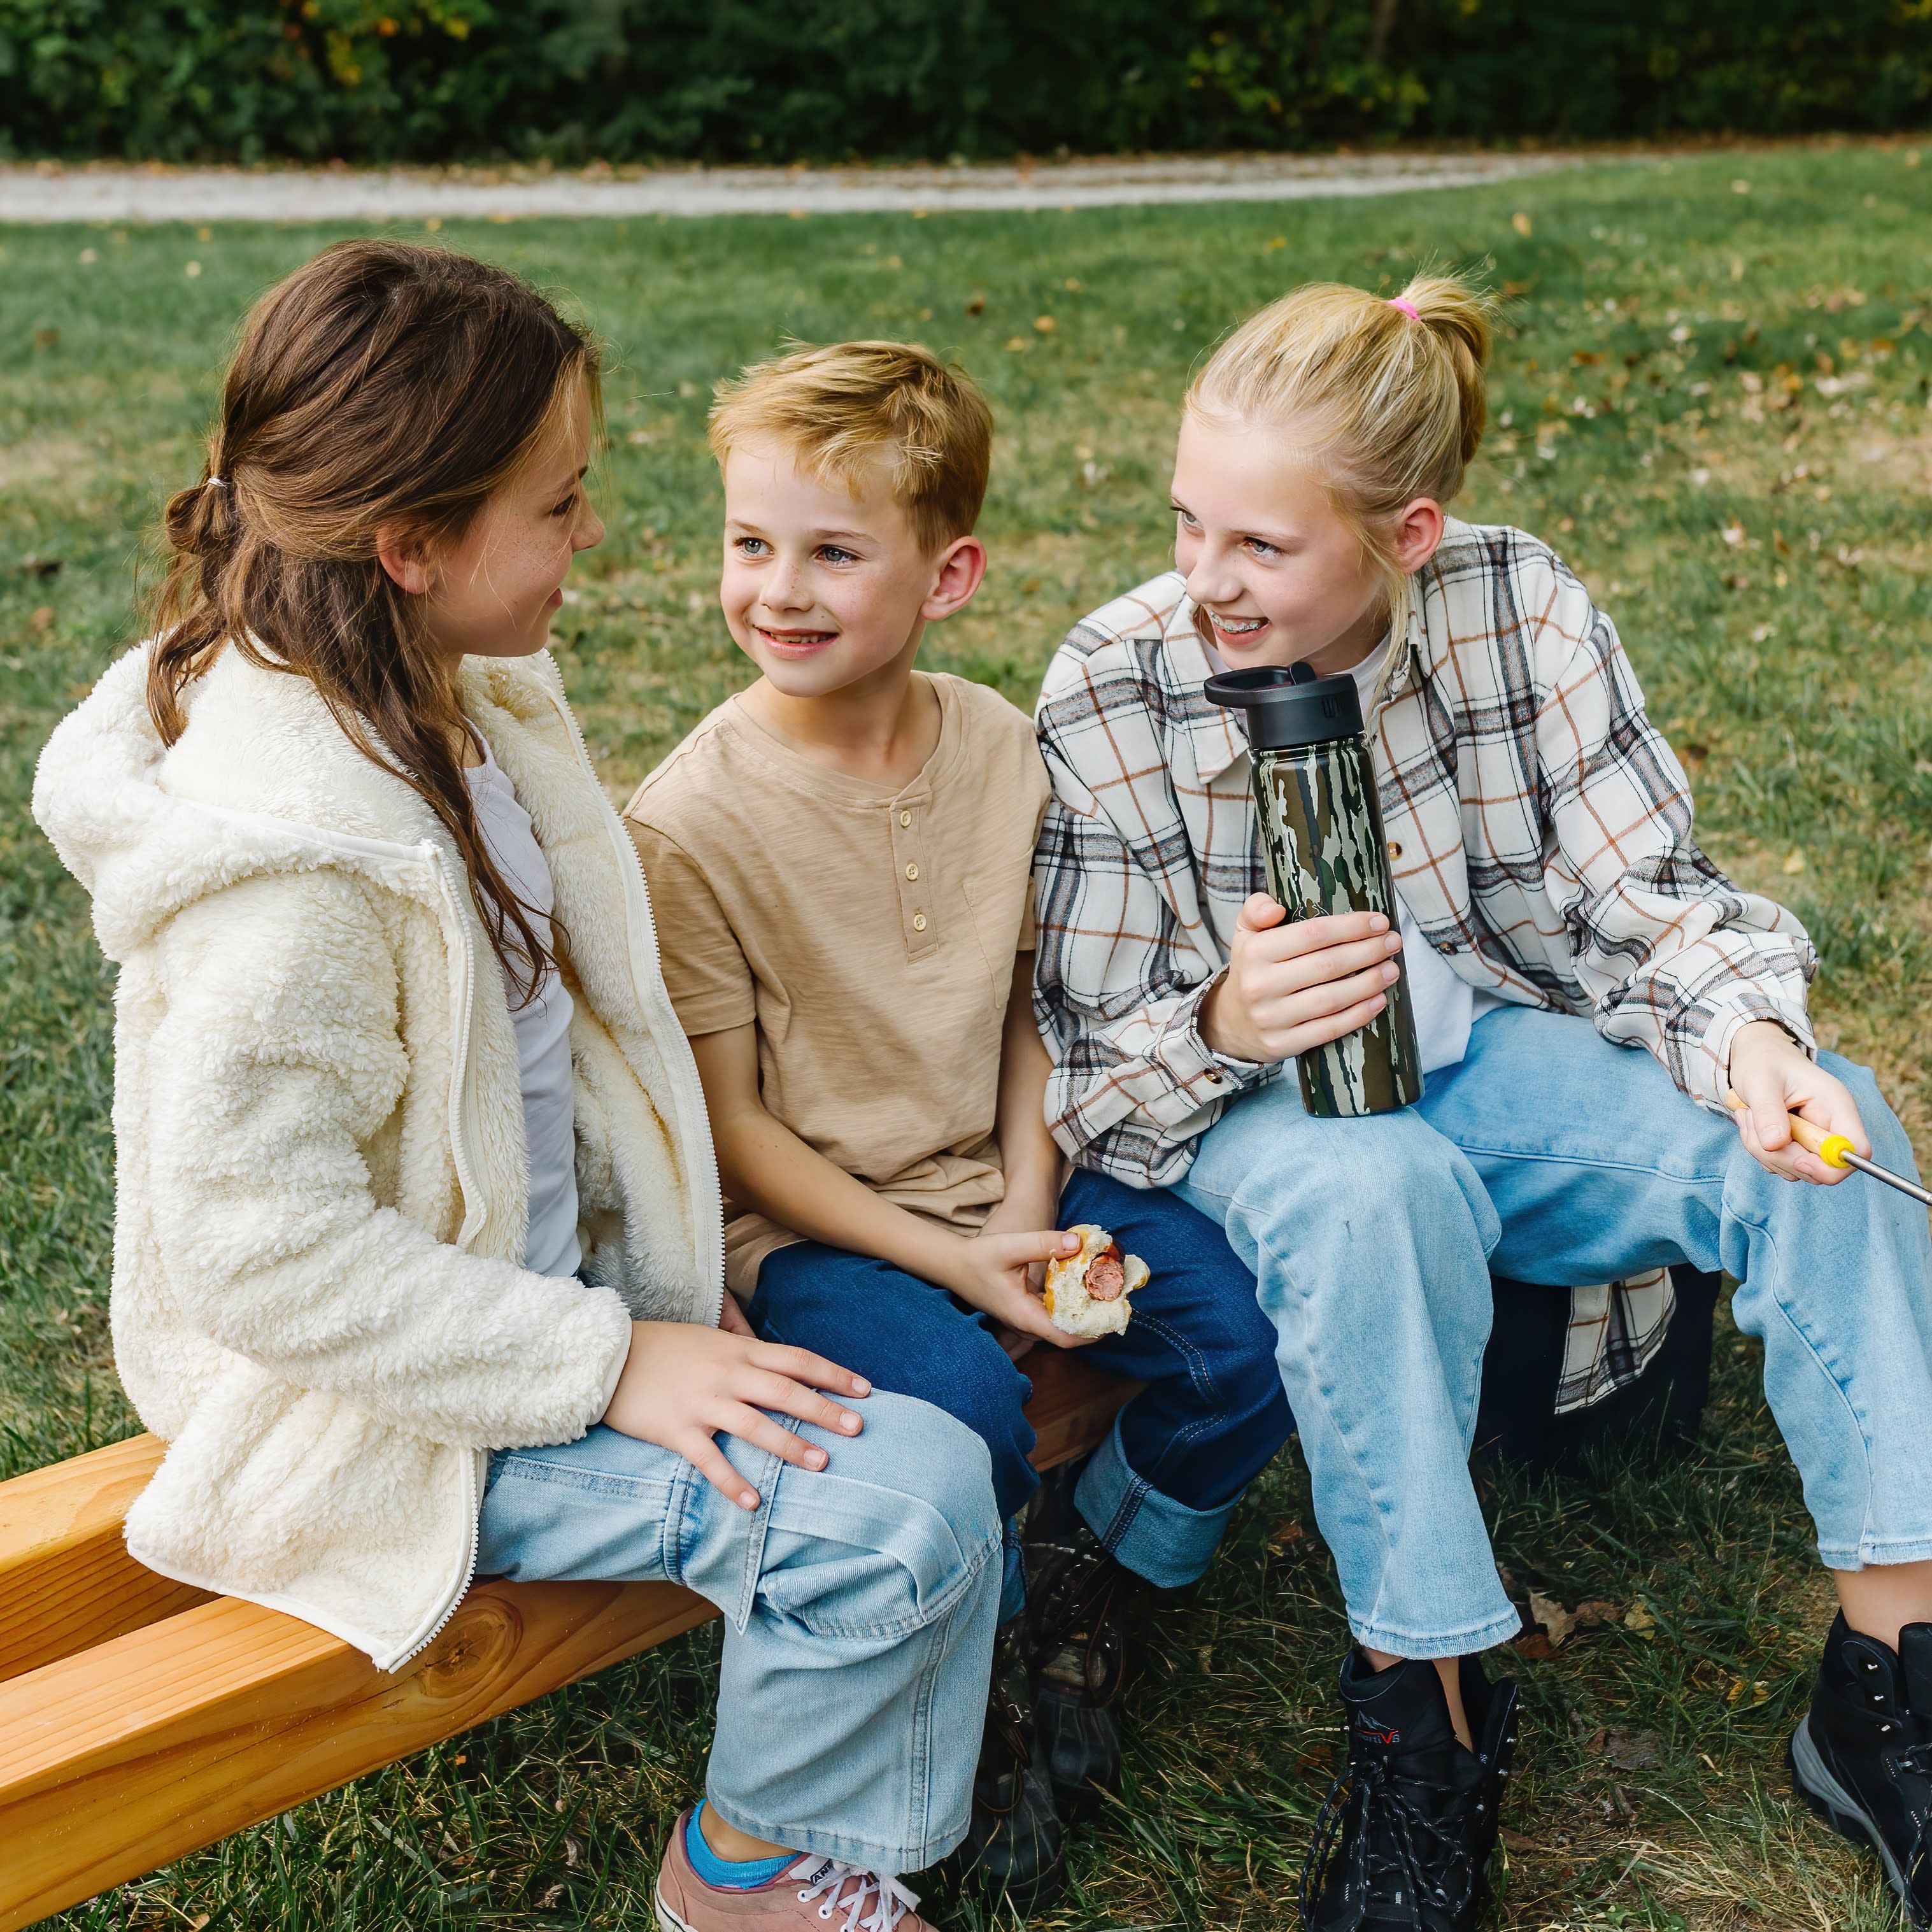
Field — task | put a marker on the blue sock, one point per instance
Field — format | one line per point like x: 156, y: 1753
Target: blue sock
x: 728, y: 1874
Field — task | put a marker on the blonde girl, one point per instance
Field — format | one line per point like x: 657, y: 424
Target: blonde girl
x: 1589, y: 989
x: 418, y: 1265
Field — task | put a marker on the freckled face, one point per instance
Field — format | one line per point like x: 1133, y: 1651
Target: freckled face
x: 822, y: 584
x: 1276, y: 569
x: 494, y: 594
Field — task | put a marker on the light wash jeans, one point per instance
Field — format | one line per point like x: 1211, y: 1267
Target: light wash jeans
x: 859, y: 1604
x: 1558, y: 1158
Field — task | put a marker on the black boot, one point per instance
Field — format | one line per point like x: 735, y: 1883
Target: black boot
x: 1862, y: 1758
x: 1014, y: 1846
x: 1080, y: 1656
x: 1404, y: 1837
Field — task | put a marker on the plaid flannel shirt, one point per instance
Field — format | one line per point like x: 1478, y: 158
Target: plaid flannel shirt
x: 1539, y: 835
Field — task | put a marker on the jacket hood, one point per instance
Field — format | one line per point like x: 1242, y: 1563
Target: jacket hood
x: 262, y: 781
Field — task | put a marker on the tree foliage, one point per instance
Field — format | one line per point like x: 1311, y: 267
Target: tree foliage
x: 823, y: 79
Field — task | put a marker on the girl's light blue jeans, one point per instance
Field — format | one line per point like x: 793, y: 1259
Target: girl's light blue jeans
x: 1555, y: 1156
x: 859, y: 1602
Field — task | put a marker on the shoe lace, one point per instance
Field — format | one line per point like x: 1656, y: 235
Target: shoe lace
x: 1915, y: 1760
x: 1394, y: 1838
x: 831, y: 1879
x: 1079, y: 1634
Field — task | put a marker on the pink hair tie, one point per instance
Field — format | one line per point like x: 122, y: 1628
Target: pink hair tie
x: 1407, y: 306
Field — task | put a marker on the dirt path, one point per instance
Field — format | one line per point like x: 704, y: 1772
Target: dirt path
x: 97, y: 192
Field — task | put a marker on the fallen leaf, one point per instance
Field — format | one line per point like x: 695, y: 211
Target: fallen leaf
x: 1534, y: 1644
x: 1283, y: 1533
x: 41, y: 620
x: 1557, y: 1622
x: 1016, y: 342
x: 977, y: 306
x: 1634, y: 1750
x: 1520, y: 222
x: 1638, y: 1617
x: 1598, y: 1610
x: 1517, y: 1841
x: 1045, y: 324
x: 1795, y: 864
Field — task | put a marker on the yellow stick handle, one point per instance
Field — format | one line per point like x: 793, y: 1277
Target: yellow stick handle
x: 1830, y: 1148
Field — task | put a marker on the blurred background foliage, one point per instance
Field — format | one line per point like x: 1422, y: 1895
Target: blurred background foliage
x: 571, y: 81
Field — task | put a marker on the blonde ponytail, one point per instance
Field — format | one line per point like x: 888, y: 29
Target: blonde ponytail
x: 1385, y: 396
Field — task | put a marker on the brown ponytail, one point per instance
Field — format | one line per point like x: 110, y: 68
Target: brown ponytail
x: 382, y: 386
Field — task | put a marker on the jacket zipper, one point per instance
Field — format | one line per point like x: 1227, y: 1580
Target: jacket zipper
x: 472, y: 1223
x: 459, y: 1072
x: 637, y: 901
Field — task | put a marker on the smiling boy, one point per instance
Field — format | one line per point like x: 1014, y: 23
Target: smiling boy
x: 840, y: 859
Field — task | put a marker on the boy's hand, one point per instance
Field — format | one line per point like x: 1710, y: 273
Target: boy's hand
x: 733, y: 1319
x: 991, y: 1272
x: 1295, y: 984
x: 681, y: 1385
x: 1774, y: 1075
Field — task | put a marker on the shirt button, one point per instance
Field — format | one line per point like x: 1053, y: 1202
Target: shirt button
x: 1445, y: 946
x: 905, y: 818
x: 912, y: 872
x: 918, y: 922
x: 1395, y: 849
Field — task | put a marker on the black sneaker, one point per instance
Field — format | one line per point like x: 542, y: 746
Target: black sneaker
x: 1015, y: 1847
x: 1080, y: 1652
x: 1405, y: 1836
x: 1862, y: 1758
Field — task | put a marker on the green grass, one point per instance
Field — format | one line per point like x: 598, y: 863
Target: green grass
x: 1769, y: 569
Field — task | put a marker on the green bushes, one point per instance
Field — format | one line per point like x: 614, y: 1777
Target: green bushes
x: 784, y: 80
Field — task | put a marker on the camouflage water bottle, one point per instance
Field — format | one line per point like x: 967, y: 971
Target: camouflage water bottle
x: 1320, y: 827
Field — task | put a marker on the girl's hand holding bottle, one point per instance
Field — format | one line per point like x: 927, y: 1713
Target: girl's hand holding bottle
x: 1295, y: 984
x: 682, y: 1385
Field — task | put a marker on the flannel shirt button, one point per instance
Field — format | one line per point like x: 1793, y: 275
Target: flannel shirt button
x: 1214, y: 1076
x: 918, y: 922
x: 912, y: 872
x: 1395, y: 849
x: 905, y: 818
x: 1445, y: 946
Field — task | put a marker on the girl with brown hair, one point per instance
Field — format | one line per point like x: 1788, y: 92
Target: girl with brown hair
x: 418, y: 1258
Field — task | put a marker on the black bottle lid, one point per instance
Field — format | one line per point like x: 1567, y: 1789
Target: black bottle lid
x: 1288, y: 705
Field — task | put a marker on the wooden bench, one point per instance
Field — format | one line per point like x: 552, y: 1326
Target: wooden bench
x: 140, y: 1719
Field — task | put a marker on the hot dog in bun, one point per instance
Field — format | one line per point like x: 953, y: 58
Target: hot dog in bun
x: 1087, y: 1293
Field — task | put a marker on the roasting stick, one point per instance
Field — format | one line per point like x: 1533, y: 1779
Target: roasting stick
x: 1834, y: 1150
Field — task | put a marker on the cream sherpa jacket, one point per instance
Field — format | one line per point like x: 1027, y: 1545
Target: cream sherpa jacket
x: 321, y: 1184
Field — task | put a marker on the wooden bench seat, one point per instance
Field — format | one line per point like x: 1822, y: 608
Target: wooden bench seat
x: 140, y: 1719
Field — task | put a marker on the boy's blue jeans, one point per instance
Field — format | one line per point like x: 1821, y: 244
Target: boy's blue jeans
x: 1555, y: 1156
x: 1158, y: 1492
x: 859, y: 1603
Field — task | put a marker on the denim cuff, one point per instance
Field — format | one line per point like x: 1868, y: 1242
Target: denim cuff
x: 1163, y: 1541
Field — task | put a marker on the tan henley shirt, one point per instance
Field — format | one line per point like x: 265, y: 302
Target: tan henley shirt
x: 871, y: 938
